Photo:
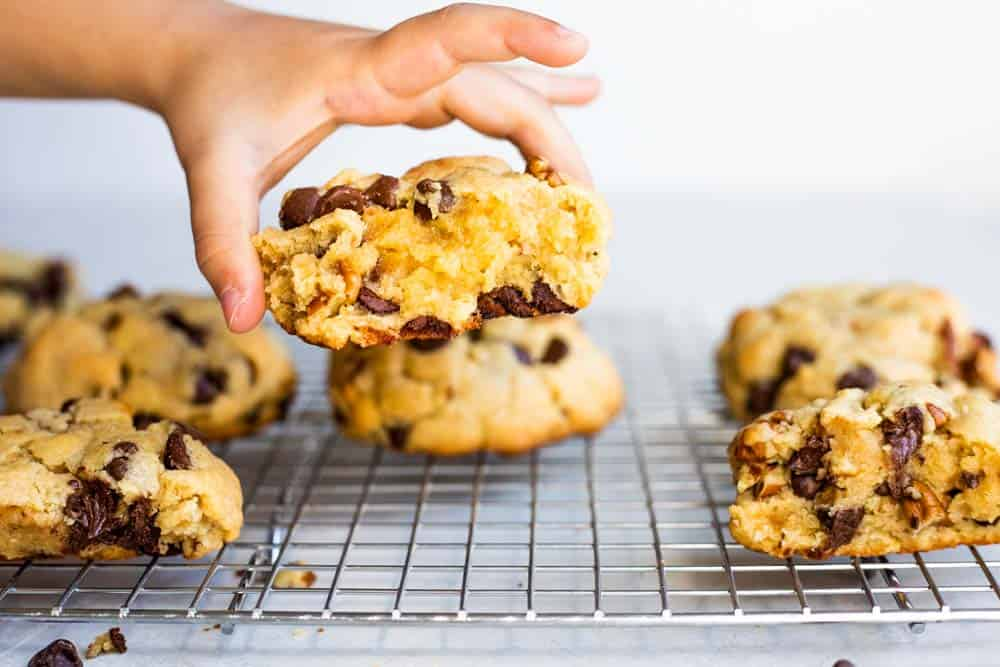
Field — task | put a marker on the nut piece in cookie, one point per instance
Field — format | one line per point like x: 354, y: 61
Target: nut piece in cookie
x: 901, y: 468
x: 166, y: 355
x: 371, y: 259
x: 509, y: 387
x: 814, y: 342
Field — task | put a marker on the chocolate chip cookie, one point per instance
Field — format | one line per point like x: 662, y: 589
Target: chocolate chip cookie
x: 902, y: 468
x: 812, y: 342
x: 512, y: 386
x: 370, y: 258
x: 28, y: 286
x: 167, y: 355
x: 95, y: 481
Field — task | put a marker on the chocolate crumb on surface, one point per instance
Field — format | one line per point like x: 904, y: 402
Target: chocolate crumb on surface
x: 60, y: 653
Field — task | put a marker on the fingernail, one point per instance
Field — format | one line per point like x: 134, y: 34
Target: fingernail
x: 562, y: 32
x: 232, y: 300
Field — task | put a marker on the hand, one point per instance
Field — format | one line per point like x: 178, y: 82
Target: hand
x: 254, y: 93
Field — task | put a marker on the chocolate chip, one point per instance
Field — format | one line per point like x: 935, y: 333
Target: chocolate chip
x: 522, y: 354
x: 883, y: 489
x: 194, y: 333
x: 546, y: 301
x: 383, y: 192
x: 209, y: 383
x: 971, y: 480
x: 175, y: 454
x: 506, y: 300
x: 297, y: 207
x: 125, y: 448
x: 53, y: 283
x: 374, y: 303
x: 117, y: 640
x: 795, y: 357
x: 112, y: 322
x: 903, y: 434
x: 426, y: 326
x: 143, y: 420
x: 809, y: 458
x: 555, y: 351
x: 123, y: 291
x: 475, y: 335
x: 805, y: 486
x: 427, y: 345
x: 341, y: 196
x: 398, y: 436
x: 843, y: 663
x: 117, y: 468
x: 761, y: 396
x: 68, y: 404
x: 841, y: 525
x: 432, y: 199
x: 139, y: 531
x: 60, y: 653
x: 859, y: 377
x: 92, y: 508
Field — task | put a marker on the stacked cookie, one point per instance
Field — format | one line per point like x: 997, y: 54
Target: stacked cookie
x: 880, y: 432
x: 454, y: 245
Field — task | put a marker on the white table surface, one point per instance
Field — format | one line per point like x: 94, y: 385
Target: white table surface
x: 683, y: 253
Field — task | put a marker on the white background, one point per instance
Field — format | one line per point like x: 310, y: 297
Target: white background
x: 746, y: 147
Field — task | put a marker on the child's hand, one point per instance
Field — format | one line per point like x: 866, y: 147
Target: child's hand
x: 246, y: 95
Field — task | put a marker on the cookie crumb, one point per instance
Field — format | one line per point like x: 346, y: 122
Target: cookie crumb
x: 112, y: 641
x: 295, y: 578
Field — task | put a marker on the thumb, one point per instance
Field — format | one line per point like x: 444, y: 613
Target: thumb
x: 224, y: 213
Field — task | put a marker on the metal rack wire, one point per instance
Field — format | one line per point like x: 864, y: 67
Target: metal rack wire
x: 629, y: 527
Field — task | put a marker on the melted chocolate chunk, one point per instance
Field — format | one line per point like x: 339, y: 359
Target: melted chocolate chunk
x: 795, y: 357
x: 175, y: 454
x: 60, y: 653
x: 843, y: 663
x: 123, y: 291
x: 53, y: 283
x: 383, y: 192
x: 142, y: 420
x: 427, y: 345
x: 841, y: 525
x: 971, y: 480
x: 546, y: 301
x: 398, y: 436
x: 140, y: 532
x: 125, y: 448
x: 859, y: 377
x: 341, y: 196
x: 297, y: 207
x: 555, y: 351
x: 209, y: 383
x: 194, y: 333
x: 809, y: 458
x: 805, y: 486
x: 374, y: 303
x: 904, y: 434
x: 68, y: 404
x: 92, y: 508
x: 430, y: 189
x: 426, y: 326
x: 506, y: 300
x: 522, y: 354
x: 117, y: 640
x: 117, y: 468
x: 761, y: 396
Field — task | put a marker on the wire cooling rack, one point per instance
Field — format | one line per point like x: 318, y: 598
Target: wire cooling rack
x: 628, y: 527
